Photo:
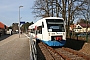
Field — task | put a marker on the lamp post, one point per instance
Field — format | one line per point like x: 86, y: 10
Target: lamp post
x: 19, y: 20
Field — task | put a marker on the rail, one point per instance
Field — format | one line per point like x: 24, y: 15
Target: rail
x: 68, y: 54
x: 33, y: 51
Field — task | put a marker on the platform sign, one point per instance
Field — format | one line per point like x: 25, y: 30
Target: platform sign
x: 22, y: 22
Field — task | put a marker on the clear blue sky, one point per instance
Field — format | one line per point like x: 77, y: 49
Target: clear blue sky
x: 9, y: 11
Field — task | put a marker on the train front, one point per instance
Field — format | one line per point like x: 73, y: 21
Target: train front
x: 56, y: 32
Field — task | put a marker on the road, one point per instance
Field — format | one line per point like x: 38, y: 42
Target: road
x: 15, y: 48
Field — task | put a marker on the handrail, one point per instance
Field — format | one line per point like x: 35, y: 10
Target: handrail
x: 33, y: 50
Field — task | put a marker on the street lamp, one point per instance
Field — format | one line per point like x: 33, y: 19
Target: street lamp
x: 19, y: 20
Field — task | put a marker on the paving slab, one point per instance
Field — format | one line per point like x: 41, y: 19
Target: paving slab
x: 15, y: 48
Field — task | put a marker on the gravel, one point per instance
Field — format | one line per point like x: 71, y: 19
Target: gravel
x: 86, y: 48
x: 43, y: 54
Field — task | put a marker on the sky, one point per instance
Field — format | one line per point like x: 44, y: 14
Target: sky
x: 9, y: 11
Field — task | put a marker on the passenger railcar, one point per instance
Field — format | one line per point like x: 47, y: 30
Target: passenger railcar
x: 50, y: 30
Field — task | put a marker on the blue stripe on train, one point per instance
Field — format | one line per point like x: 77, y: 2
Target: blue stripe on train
x: 55, y: 43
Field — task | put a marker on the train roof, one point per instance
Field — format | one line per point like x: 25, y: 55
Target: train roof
x: 52, y: 18
x: 39, y: 22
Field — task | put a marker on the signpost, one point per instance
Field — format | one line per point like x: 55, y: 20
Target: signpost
x: 22, y: 22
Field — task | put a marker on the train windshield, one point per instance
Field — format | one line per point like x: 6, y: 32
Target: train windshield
x: 55, y: 25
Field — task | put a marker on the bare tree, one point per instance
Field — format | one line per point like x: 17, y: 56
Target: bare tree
x: 75, y: 7
x: 46, y: 8
x: 67, y: 9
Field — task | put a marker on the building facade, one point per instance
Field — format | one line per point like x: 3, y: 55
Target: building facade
x: 80, y: 28
x: 3, y: 29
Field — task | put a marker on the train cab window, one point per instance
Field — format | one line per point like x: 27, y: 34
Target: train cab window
x: 39, y: 29
x: 42, y: 24
x: 32, y: 31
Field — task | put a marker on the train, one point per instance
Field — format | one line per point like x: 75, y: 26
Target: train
x: 49, y: 30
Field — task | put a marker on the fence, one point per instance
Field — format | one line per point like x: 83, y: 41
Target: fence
x: 33, y: 50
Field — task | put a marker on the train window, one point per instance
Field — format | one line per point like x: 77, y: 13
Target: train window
x: 42, y: 24
x: 32, y: 31
x: 39, y: 29
x: 55, y: 27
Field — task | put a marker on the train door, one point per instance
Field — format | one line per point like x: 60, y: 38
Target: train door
x: 44, y: 33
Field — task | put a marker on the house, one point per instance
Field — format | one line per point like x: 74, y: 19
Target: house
x: 1, y: 25
x: 80, y: 28
x: 15, y: 27
x: 2, y: 28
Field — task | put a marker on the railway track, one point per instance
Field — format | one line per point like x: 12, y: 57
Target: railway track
x: 65, y: 54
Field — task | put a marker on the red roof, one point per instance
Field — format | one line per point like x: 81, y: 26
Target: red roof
x: 2, y: 25
x: 85, y: 25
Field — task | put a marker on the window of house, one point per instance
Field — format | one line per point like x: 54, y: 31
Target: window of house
x: 79, y: 27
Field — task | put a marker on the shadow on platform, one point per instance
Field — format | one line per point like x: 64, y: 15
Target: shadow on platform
x: 74, y: 44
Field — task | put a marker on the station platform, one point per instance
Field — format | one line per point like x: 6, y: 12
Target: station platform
x: 15, y: 48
